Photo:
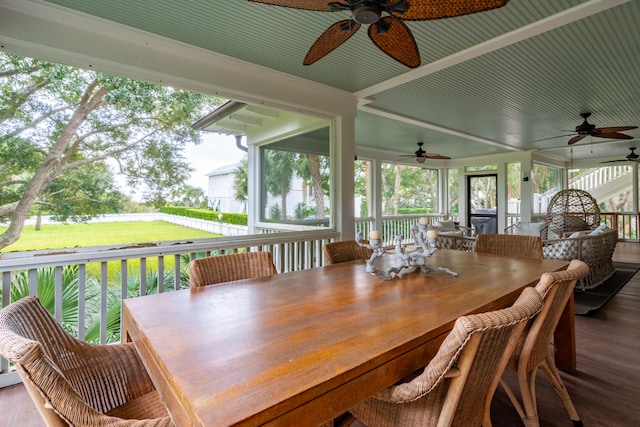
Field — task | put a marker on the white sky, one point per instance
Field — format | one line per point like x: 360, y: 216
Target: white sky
x: 216, y: 150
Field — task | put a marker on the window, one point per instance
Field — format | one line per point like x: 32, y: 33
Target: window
x: 514, y: 194
x: 295, y: 185
x: 454, y: 191
x: 409, y: 190
x: 362, y: 185
x: 547, y: 181
x: 611, y: 186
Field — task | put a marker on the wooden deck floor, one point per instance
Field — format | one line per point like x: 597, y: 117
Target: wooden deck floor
x: 604, y: 389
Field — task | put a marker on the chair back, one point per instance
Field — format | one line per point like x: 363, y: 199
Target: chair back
x: 345, y: 251
x: 457, y: 385
x: 512, y: 245
x: 73, y: 382
x: 230, y: 267
x: 555, y: 288
x: 23, y: 325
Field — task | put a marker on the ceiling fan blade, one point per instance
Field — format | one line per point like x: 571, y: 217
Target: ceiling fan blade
x: 576, y: 139
x: 333, y: 37
x: 616, y: 129
x: 616, y: 161
x: 319, y: 5
x: 393, y: 37
x: 553, y: 137
x: 436, y: 156
x: 422, y: 10
x: 613, y: 135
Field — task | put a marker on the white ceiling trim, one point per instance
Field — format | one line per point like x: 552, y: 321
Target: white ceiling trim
x: 550, y: 23
x: 40, y: 29
x: 412, y: 121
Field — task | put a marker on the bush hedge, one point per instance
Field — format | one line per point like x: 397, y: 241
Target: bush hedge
x: 413, y: 211
x: 206, y: 214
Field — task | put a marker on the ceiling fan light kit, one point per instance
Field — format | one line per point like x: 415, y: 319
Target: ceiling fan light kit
x: 389, y: 33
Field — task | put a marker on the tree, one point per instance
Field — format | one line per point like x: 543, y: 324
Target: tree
x: 189, y: 195
x: 279, y: 172
x: 56, y: 120
x: 310, y: 168
x: 361, y: 185
x: 241, y: 180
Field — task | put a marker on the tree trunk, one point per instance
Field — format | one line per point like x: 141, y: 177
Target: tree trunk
x: 39, y: 220
x: 396, y: 188
x: 316, y: 179
x: 283, y: 196
x: 54, y: 163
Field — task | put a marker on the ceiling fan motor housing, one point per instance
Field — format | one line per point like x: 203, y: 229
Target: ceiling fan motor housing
x: 367, y: 13
x: 585, y: 127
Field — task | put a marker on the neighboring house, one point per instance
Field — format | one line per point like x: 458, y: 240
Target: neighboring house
x: 220, y: 191
x: 221, y: 194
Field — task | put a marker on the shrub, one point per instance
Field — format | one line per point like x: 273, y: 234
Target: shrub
x: 205, y: 214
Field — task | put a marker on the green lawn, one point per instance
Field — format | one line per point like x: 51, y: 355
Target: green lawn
x: 98, y: 234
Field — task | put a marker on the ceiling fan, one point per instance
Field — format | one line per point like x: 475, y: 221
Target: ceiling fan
x: 631, y: 157
x: 389, y: 33
x: 587, y: 129
x: 420, y: 155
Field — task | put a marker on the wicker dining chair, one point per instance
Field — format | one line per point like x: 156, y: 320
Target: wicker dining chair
x: 74, y: 383
x: 456, y: 387
x: 229, y: 267
x: 512, y: 245
x: 345, y: 251
x: 535, y: 350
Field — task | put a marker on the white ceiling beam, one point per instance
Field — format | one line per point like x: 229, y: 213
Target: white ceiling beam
x: 44, y: 30
x: 420, y: 123
x: 536, y: 28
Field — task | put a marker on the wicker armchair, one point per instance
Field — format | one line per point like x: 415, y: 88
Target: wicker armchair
x: 457, y: 386
x: 534, y: 349
x: 73, y: 382
x: 345, y: 251
x: 513, y: 245
x: 594, y: 249
x: 230, y: 267
x: 455, y: 242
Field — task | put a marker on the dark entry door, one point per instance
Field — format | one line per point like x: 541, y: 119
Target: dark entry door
x: 482, y: 199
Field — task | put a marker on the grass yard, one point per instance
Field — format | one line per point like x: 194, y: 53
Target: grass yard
x: 98, y: 234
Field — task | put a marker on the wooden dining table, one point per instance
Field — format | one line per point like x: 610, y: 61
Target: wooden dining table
x: 301, y: 348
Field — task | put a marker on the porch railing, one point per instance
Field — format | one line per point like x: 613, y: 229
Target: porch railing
x: 105, y: 275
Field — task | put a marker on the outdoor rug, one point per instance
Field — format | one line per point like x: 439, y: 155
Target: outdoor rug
x: 589, y: 301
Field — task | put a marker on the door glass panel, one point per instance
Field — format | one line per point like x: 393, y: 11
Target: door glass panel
x: 483, y: 205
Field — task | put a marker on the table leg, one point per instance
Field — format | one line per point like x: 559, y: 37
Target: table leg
x: 564, y: 339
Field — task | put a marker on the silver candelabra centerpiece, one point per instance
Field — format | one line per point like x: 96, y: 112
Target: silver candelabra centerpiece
x: 406, y: 261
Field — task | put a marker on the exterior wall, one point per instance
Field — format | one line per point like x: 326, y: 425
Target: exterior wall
x: 296, y: 195
x: 221, y: 196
